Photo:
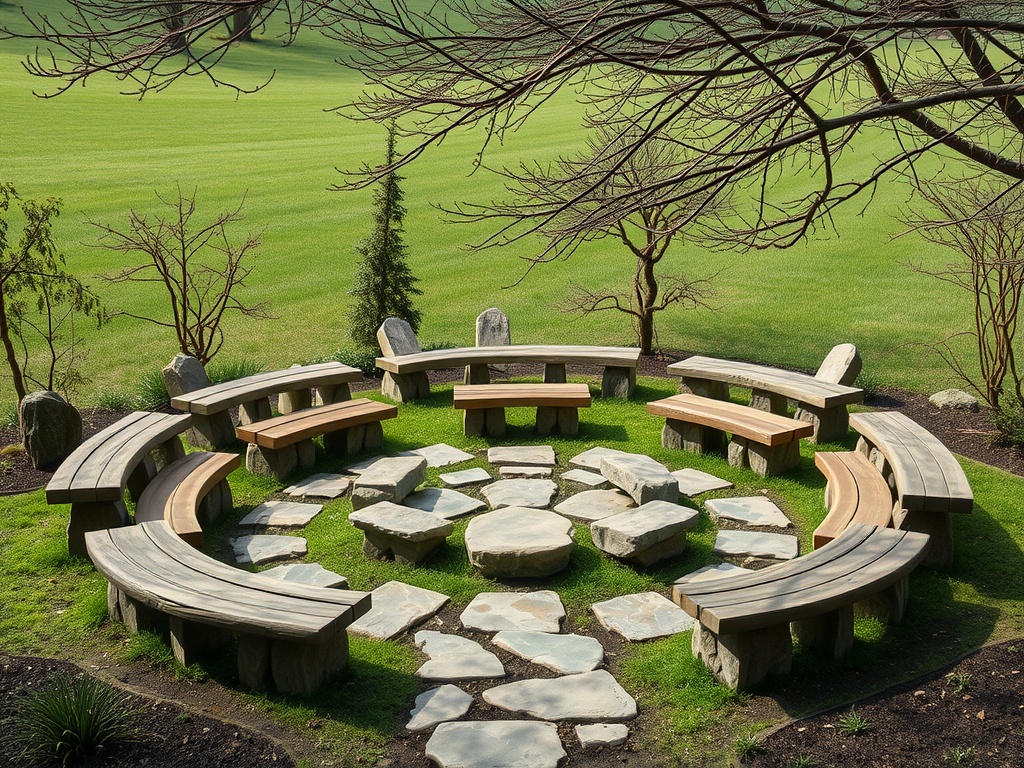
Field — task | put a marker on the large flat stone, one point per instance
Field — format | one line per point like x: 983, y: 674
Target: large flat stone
x: 443, y: 502
x: 440, y: 455
x: 637, y: 530
x: 524, y: 455
x: 539, y: 611
x: 264, y: 548
x: 643, y: 616
x: 496, y: 744
x: 510, y: 470
x: 585, y: 477
x: 395, y: 608
x: 641, y: 477
x: 693, y: 482
x: 388, y: 480
x: 591, y: 459
x: 711, y: 572
x: 588, y: 696
x: 321, y: 485
x: 311, y: 574
x: 438, y: 705
x: 361, y: 466
x: 535, y: 493
x: 519, y: 542
x: 465, y: 477
x: 402, y: 522
x: 756, y: 544
x: 596, y: 735
x: 565, y: 654
x: 282, y: 514
x: 589, y: 506
x: 453, y: 657
x: 750, y: 510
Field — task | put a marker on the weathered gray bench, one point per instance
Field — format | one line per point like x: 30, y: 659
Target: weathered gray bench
x: 855, y: 492
x: 189, y: 493
x: 769, y: 444
x: 280, y: 445
x: 745, y: 622
x: 293, y: 386
x: 291, y: 637
x: 484, y: 405
x: 94, y: 477
x: 927, y: 481
x: 821, y: 402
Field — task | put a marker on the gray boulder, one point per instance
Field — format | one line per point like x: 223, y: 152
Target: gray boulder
x: 841, y: 365
x: 954, y: 400
x: 184, y: 374
x: 396, y: 337
x: 51, y: 428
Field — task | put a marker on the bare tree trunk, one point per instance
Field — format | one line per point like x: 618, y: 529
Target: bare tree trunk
x: 175, y: 22
x: 645, y: 287
x: 241, y: 26
x: 12, y: 355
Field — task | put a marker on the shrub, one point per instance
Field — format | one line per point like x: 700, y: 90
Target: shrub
x: 957, y: 682
x: 236, y: 369
x: 71, y: 718
x: 853, y: 724
x: 959, y: 756
x: 746, y: 746
x: 151, y: 392
x: 1009, y: 424
x: 363, y: 359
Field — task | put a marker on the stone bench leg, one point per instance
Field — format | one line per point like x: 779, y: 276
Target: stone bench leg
x: 253, y: 411
x: 190, y: 640
x: 168, y: 452
x: 363, y: 437
x: 217, y: 502
x: 477, y: 374
x: 767, y: 460
x: 333, y: 393
x: 93, y: 516
x: 889, y: 605
x: 566, y: 421
x: 830, y: 633
x: 763, y: 400
x: 405, y: 387
x: 831, y: 425
x: 140, y: 477
x: 295, y: 400
x: 716, y: 390
x: 682, y: 435
x: 618, y: 381
x: 743, y: 660
x: 136, y: 616
x: 938, y: 526
x: 483, y: 421
x: 279, y: 463
x: 379, y: 546
x: 292, y: 668
x: 211, y: 431
x: 554, y: 373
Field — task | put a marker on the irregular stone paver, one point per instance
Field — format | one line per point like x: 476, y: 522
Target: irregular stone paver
x: 591, y: 459
x: 520, y: 493
x: 443, y: 502
x: 496, y: 744
x: 565, y: 654
x: 693, y: 482
x: 409, y: 534
x: 539, y: 611
x: 711, y: 572
x: 751, y: 510
x: 519, y: 542
x: 359, y: 467
x: 438, y: 705
x: 455, y: 658
x: 388, y: 480
x: 313, y: 574
x: 465, y: 477
x: 585, y: 477
x: 264, y: 548
x: 589, y: 506
x: 440, y: 455
x: 589, y: 696
x: 597, y: 735
x: 643, y: 616
x: 321, y: 485
x: 396, y: 607
x: 651, y: 532
x: 282, y: 514
x: 524, y: 455
x: 756, y: 544
x: 515, y: 471
x: 641, y: 477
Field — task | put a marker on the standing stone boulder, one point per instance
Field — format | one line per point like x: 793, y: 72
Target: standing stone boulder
x: 51, y: 427
x: 841, y: 365
x: 493, y: 330
x: 396, y: 337
x: 186, y: 374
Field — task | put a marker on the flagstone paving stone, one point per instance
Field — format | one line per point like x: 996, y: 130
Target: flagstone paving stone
x: 440, y: 455
x: 565, y: 654
x: 361, y: 466
x: 711, y: 572
x: 779, y: 546
x: 265, y: 548
x: 693, y: 482
x: 595, y: 735
x: 527, y: 492
x: 540, y: 611
x: 591, y: 459
x: 643, y: 616
x: 750, y: 510
x: 496, y: 744
x: 453, y: 657
x: 395, y: 607
x: 282, y: 514
x: 438, y: 705
x: 321, y: 485
x: 444, y: 502
x: 589, y: 696
x: 466, y: 477
x: 510, y: 470
x: 585, y: 477
x: 312, y: 574
x: 588, y: 506
x: 523, y: 455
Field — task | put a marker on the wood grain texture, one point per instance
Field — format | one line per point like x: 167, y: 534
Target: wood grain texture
x: 759, y: 426
x: 282, y: 431
x: 858, y: 494
x: 476, y: 396
x: 624, y: 357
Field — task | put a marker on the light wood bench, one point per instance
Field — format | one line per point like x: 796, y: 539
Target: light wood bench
x: 927, y: 481
x: 767, y: 443
x: 821, y: 402
x: 405, y: 379
x: 278, y: 446
x: 855, y: 492
x: 189, y: 493
x: 484, y: 406
x: 250, y: 395
x: 291, y: 637
x: 94, y: 477
x: 745, y: 622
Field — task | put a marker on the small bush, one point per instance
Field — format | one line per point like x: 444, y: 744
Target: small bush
x: 960, y: 756
x: 9, y: 416
x: 117, y: 401
x: 236, y: 369
x: 746, y: 747
x: 868, y: 383
x: 363, y: 359
x: 1009, y: 424
x: 957, y: 682
x: 71, y: 718
x: 151, y: 392
x: 852, y: 724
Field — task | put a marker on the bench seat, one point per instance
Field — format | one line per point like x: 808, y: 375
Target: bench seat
x: 743, y: 621
x: 279, y: 445
x: 189, y: 493
x: 290, y: 635
x: 821, y: 402
x: 485, y: 404
x: 855, y: 493
x: 123, y: 456
x: 767, y: 443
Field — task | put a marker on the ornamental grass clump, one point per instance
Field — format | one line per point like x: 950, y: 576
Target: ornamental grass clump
x: 70, y: 718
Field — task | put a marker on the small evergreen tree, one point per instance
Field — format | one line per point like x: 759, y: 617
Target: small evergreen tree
x: 384, y: 285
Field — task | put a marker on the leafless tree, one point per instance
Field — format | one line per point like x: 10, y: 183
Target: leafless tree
x: 199, y: 266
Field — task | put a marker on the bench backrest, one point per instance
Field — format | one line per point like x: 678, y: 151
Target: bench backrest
x: 841, y: 365
x: 396, y: 337
x: 435, y: 359
x: 492, y: 329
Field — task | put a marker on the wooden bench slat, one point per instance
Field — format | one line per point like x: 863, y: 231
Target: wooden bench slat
x: 282, y: 431
x: 760, y: 426
x: 473, y: 396
x: 625, y: 357
x: 858, y: 493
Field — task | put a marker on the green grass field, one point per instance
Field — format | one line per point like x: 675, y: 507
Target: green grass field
x: 105, y: 153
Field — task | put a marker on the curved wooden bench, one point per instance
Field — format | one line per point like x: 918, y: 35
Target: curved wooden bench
x: 188, y: 493
x: 402, y: 382
x: 744, y: 621
x: 822, y: 403
x: 485, y: 404
x: 767, y: 443
x: 290, y: 636
x: 855, y: 493
x: 94, y: 477
x: 929, y: 482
